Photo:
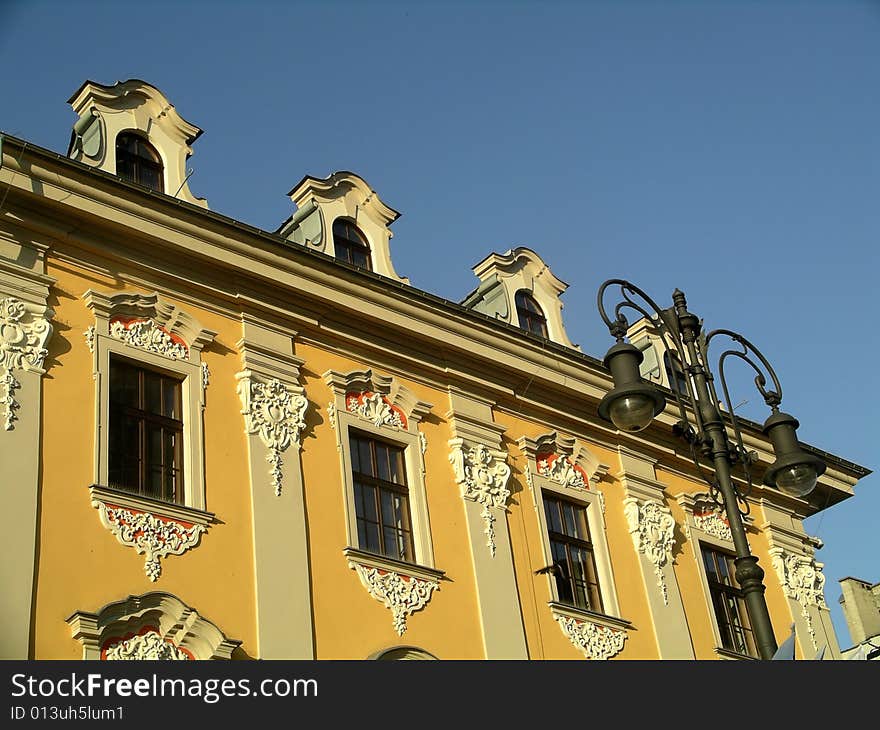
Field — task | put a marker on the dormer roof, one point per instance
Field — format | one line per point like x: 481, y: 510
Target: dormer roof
x: 342, y: 195
x: 137, y: 107
x: 519, y: 269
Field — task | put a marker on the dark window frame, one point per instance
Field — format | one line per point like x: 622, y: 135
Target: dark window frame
x: 350, y: 244
x: 584, y: 591
x: 529, y: 314
x: 131, y: 465
x: 373, y: 491
x: 142, y: 165
x: 728, y: 602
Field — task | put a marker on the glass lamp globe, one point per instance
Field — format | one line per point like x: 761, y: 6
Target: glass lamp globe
x: 632, y: 412
x: 797, y: 480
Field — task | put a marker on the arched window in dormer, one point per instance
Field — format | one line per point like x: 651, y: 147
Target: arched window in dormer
x: 138, y: 161
x: 530, y: 316
x: 350, y: 244
x: 675, y: 373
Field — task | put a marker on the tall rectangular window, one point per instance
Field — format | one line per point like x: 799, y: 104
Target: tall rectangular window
x: 574, y: 564
x: 728, y: 602
x: 145, y: 432
x: 381, y: 497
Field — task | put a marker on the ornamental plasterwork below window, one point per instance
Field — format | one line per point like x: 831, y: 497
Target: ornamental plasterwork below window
x: 276, y: 413
x: 146, y: 645
x: 22, y: 347
x: 594, y: 640
x: 652, y: 528
x: 402, y: 594
x: 483, y: 476
x: 713, y: 523
x: 150, y: 535
x: 375, y: 408
x: 147, y: 335
x: 802, y: 579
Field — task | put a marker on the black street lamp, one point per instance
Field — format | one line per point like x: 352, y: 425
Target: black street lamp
x: 633, y: 403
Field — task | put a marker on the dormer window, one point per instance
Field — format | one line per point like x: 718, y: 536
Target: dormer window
x: 350, y: 245
x: 675, y: 373
x: 530, y: 316
x: 138, y: 161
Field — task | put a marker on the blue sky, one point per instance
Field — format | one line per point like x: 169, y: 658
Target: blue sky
x: 730, y: 149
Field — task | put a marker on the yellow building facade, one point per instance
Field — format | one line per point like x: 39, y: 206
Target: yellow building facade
x: 221, y: 442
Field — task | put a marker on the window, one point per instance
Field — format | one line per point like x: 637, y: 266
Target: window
x: 675, y: 373
x: 728, y: 603
x: 574, y: 564
x: 350, y: 244
x: 145, y: 446
x: 530, y: 316
x: 138, y: 161
x: 381, y: 497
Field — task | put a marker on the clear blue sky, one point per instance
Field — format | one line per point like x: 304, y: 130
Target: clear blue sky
x: 730, y: 149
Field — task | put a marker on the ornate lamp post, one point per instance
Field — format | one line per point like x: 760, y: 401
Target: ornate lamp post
x: 633, y: 403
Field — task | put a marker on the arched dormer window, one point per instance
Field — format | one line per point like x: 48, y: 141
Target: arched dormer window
x: 529, y: 314
x: 350, y: 244
x: 675, y: 373
x: 138, y: 161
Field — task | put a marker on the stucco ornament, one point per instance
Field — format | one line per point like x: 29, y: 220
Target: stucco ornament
x: 375, y: 409
x: 277, y: 415
x: 145, y: 646
x: 22, y: 347
x: 802, y: 579
x: 561, y: 471
x: 594, y: 640
x: 404, y: 595
x: 652, y: 528
x: 89, y: 334
x: 713, y: 523
x: 206, y: 376
x: 483, y: 475
x: 151, y: 536
x: 147, y: 335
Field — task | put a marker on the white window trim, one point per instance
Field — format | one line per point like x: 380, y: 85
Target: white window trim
x: 189, y: 369
x: 591, y: 499
x: 588, y: 496
x: 698, y: 504
x: 407, y: 437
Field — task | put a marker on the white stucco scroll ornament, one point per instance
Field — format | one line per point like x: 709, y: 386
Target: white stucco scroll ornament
x: 483, y: 476
x: 151, y: 536
x: 22, y: 347
x: 375, y: 409
x: 713, y: 523
x: 149, y: 336
x: 802, y: 579
x: 594, y: 640
x: 149, y: 645
x: 652, y: 528
x: 560, y: 470
x: 274, y: 412
x: 404, y: 595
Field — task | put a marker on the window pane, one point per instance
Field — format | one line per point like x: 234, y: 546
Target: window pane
x: 170, y: 393
x: 372, y: 537
x: 152, y: 393
x: 383, y: 469
x: 366, y: 458
x: 552, y: 510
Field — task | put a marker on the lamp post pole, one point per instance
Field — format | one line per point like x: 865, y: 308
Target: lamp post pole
x: 633, y: 403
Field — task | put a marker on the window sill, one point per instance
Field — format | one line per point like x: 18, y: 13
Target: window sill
x: 390, y: 565
x: 735, y: 655
x: 582, y: 614
x: 166, y: 510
